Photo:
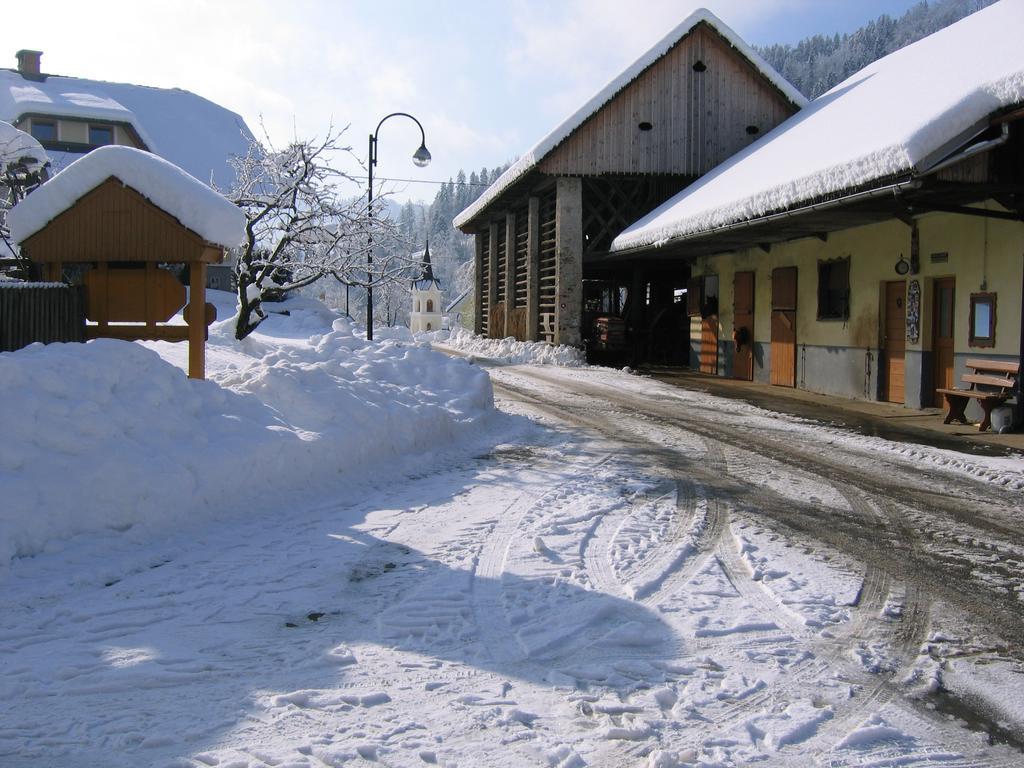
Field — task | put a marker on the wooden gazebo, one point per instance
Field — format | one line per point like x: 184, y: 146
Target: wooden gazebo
x: 123, y: 228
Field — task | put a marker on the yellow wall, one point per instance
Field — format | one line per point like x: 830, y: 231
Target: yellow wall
x: 77, y: 131
x: 984, y: 255
x: 980, y: 251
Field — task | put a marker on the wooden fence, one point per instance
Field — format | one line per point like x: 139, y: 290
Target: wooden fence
x: 45, y: 312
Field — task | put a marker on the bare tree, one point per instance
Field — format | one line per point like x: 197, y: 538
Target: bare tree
x: 301, y: 228
x: 23, y: 167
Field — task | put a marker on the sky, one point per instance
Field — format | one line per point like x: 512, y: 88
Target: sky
x: 486, y: 78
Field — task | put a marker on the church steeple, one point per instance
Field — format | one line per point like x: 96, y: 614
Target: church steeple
x: 426, y: 314
x: 426, y: 278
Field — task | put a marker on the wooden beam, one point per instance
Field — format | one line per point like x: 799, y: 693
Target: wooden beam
x: 137, y: 332
x: 964, y: 210
x: 510, y: 269
x: 197, y: 320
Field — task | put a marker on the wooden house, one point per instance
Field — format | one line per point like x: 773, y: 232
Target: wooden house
x: 871, y: 245
x: 696, y: 98
x: 117, y: 216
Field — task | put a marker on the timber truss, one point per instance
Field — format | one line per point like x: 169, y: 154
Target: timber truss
x: 612, y: 203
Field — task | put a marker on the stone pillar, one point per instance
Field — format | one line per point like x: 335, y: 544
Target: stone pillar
x: 510, y: 270
x: 568, y: 260
x: 492, y: 286
x: 478, y: 286
x: 533, y: 270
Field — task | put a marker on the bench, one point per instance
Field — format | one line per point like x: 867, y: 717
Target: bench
x: 991, y: 384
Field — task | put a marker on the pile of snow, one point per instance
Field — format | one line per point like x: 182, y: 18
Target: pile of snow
x: 564, y: 129
x: 886, y: 120
x: 510, y: 351
x: 109, y: 435
x: 167, y: 186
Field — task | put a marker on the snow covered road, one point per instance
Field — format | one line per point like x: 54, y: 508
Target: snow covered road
x: 647, y: 577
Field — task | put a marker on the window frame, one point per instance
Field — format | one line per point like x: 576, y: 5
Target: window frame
x: 101, y: 126
x: 49, y: 122
x: 982, y: 341
x: 827, y: 296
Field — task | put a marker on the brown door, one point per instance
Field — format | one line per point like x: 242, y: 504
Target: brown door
x: 942, y: 335
x: 709, y: 345
x: 783, y: 360
x: 743, y: 325
x: 894, y: 344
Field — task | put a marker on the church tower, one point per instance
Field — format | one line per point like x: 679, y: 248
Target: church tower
x: 426, y: 299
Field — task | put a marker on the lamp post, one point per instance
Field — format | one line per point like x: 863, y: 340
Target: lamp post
x: 420, y: 158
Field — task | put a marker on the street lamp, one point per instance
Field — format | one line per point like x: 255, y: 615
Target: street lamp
x: 420, y: 158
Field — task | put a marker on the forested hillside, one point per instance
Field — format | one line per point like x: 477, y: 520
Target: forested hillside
x: 817, y: 63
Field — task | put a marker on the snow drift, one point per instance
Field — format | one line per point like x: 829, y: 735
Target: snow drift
x: 108, y: 435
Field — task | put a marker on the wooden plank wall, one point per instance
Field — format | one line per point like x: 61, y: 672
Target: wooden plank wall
x: 699, y: 119
x: 114, y: 223
x: 483, y: 300
x: 502, y: 256
x: 43, y: 313
x: 546, y: 300
x: 522, y: 219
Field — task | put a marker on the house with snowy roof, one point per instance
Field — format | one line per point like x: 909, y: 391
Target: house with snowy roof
x: 871, y: 244
x: 696, y: 98
x: 70, y: 116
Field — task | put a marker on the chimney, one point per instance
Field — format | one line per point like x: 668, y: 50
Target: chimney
x: 28, y: 62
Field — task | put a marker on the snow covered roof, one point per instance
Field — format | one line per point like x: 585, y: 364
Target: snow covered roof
x: 896, y: 117
x: 191, y: 202
x: 186, y: 129
x: 546, y: 145
x: 19, y: 147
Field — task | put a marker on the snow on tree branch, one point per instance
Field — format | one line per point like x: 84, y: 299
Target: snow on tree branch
x: 301, y: 228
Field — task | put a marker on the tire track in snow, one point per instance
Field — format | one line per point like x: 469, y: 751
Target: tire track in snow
x: 829, y: 652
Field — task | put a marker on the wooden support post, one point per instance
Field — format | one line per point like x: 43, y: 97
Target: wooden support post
x: 478, y: 301
x: 568, y: 260
x: 637, y: 319
x: 533, y: 269
x: 197, y: 320
x: 492, y: 271
x: 510, y: 271
x: 101, y: 313
x: 152, y: 294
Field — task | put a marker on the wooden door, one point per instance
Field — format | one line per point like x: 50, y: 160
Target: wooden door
x: 743, y: 325
x: 783, y: 360
x: 942, y: 335
x: 709, y: 345
x: 894, y: 343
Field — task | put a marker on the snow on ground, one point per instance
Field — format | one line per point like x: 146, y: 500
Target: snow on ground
x: 508, y: 351
x: 1007, y: 472
x: 417, y: 580
x: 301, y: 403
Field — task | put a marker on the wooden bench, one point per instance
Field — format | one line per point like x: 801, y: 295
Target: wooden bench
x: 991, y: 384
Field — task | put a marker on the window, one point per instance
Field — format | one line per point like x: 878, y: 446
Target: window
x: 702, y: 296
x: 430, y: 305
x: 101, y: 135
x: 983, y: 320
x: 834, y: 289
x: 44, y: 130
